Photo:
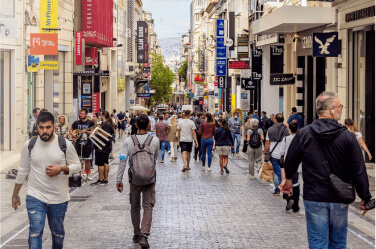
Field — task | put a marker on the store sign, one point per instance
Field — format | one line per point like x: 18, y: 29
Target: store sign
x: 243, y: 47
x: 238, y: 64
x: 307, y: 42
x: 48, y: 16
x: 222, y: 82
x: 97, y: 22
x: 248, y: 84
x: 131, y: 101
x: 32, y: 63
x: 220, y: 27
x: 282, y: 79
x: 276, y: 59
x: 43, y: 44
x: 142, y: 42
x: 79, y: 48
x: 96, y: 102
x: 201, y: 102
x: 49, y: 65
x: 143, y: 95
x: 360, y: 14
x: 325, y: 44
x: 221, y: 48
x: 91, y: 56
x: 221, y: 67
x: 257, y: 64
x: 146, y: 70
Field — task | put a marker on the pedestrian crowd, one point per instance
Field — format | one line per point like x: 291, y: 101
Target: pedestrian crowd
x: 321, y: 150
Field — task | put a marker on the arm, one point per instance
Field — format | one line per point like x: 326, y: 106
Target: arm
x: 364, y: 146
x: 72, y: 160
x: 248, y: 137
x: 200, y: 130
x: 22, y: 174
x: 267, y: 145
x: 195, y: 137
x: 31, y: 125
x: 122, y: 164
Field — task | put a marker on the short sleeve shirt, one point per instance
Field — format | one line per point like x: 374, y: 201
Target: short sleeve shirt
x: 79, y: 124
x: 161, y: 131
x: 250, y: 131
x: 120, y: 116
x: 186, y: 126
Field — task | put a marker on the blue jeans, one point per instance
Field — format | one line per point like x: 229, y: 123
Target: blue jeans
x: 237, y: 137
x: 207, y: 144
x: 163, y: 146
x: 277, y: 173
x: 168, y: 146
x: 37, y: 211
x: 326, y: 224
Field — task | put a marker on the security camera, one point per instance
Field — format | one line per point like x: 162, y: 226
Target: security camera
x: 295, y: 37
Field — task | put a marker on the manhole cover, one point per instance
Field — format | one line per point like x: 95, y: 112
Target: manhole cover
x: 79, y: 198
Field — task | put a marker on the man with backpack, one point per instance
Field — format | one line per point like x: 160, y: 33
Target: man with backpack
x: 142, y: 151
x: 48, y: 160
x: 254, y: 137
x: 198, y: 121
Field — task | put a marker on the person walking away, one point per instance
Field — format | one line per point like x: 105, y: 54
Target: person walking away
x: 151, y: 120
x: 173, y: 138
x: 350, y: 125
x: 295, y: 116
x: 264, y: 118
x: 142, y: 177
x: 235, y: 125
x: 255, y: 115
x: 254, y: 137
x: 133, y: 124
x: 223, y: 143
x: 206, y: 132
x: 48, y: 160
x: 86, y: 126
x: 246, y: 127
x: 121, y: 123
x: 166, y: 120
x: 292, y: 199
x: 161, y: 130
x: 33, y: 131
x: 62, y: 127
x: 115, y: 115
x: 102, y: 154
x: 274, y: 137
x: 187, y: 133
x: 327, y: 147
x: 198, y: 121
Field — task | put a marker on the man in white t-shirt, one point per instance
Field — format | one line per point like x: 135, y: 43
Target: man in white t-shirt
x: 48, y: 168
x: 187, y: 132
x: 273, y: 139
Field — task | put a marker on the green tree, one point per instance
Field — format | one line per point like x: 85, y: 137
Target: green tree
x: 161, y: 80
x: 182, y: 71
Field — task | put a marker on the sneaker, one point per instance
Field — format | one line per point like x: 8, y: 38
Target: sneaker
x: 169, y: 152
x: 251, y: 177
x: 232, y: 154
x: 226, y: 169
x: 276, y: 193
x: 299, y: 213
x: 183, y: 170
x: 209, y: 169
x: 188, y: 168
x: 162, y: 161
x: 105, y: 182
x: 221, y: 172
x: 289, y: 204
x: 202, y: 168
x: 96, y: 183
x: 136, y: 238
x: 143, y: 242
x: 173, y: 159
x: 90, y: 178
x: 237, y: 153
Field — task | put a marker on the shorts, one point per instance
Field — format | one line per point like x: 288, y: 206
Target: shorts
x: 121, y: 126
x: 86, y: 150
x: 223, y: 150
x: 186, y: 146
x: 101, y: 158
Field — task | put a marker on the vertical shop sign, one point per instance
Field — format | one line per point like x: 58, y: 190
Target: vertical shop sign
x: 221, y: 49
x: 48, y: 16
x: 276, y: 59
x: 142, y: 42
x: 79, y: 48
x: 257, y: 64
x: 96, y: 102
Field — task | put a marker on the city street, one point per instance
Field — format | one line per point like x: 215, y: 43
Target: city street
x: 196, y: 209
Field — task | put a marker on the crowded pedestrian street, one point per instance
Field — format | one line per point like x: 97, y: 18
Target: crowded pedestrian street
x: 195, y: 209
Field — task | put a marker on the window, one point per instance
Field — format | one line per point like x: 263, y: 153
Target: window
x: 7, y: 8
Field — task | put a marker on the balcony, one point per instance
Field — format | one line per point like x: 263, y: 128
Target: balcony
x: 290, y: 19
x: 210, y: 5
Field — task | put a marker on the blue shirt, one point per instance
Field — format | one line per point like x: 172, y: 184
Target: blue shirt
x: 296, y: 117
x: 259, y: 119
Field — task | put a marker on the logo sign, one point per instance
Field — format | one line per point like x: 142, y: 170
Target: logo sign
x: 48, y: 16
x: 79, y: 48
x: 142, y: 42
x: 43, y: 44
x: 201, y: 102
x: 221, y: 48
x: 276, y: 59
x: 242, y: 47
x: 282, y: 79
x: 307, y: 41
x: 238, y: 64
x: 325, y: 44
x: 229, y: 42
x: 49, y: 65
x: 221, y: 67
x: 248, y: 84
x: 222, y: 82
x: 257, y: 64
x: 216, y: 94
x: 143, y: 95
x: 244, y: 95
x: 220, y: 27
x: 96, y: 101
x: 32, y: 63
x: 360, y: 14
x: 146, y: 70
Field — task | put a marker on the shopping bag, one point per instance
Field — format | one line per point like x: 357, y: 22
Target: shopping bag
x: 267, y: 172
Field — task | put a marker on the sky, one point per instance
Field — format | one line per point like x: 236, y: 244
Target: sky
x: 171, y: 17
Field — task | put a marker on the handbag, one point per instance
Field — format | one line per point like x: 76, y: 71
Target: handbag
x: 268, y: 154
x: 75, y: 180
x: 267, y: 172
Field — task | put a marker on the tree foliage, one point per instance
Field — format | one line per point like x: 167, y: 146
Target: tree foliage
x: 161, y: 80
x: 182, y: 71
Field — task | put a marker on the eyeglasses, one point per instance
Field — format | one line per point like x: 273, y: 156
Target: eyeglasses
x: 340, y: 106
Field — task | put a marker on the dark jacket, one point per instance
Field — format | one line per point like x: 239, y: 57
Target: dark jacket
x: 268, y: 123
x: 223, y: 138
x: 327, y: 140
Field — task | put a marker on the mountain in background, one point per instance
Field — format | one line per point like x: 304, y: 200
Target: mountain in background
x: 170, y: 48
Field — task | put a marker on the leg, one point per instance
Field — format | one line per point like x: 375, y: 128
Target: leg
x: 203, y: 151
x: 233, y: 138
x: 199, y: 146
x: 106, y: 171
x: 175, y: 149
x: 101, y: 173
x: 210, y: 149
x: 338, y: 225
x: 277, y: 173
x: 184, y: 155
x: 188, y: 158
x: 251, y: 161
x: 168, y: 146
x: 36, y: 210
x: 317, y: 218
x: 163, y: 146
x: 134, y: 198
x: 237, y: 143
x: 258, y: 157
x: 56, y: 215
x: 225, y: 160
x: 221, y: 162
x: 148, y: 202
x: 87, y: 167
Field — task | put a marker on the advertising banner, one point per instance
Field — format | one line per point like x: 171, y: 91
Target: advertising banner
x: 276, y: 59
x: 97, y: 22
x: 325, y: 44
x: 91, y: 56
x: 32, y: 63
x: 238, y: 64
x: 257, y: 64
x: 243, y: 47
x: 49, y: 65
x: 142, y: 42
x: 79, y: 48
x: 48, y: 16
x: 221, y: 48
x: 43, y: 44
x: 248, y: 84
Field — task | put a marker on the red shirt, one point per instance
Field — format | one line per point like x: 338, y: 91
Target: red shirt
x: 207, y: 130
x: 161, y: 131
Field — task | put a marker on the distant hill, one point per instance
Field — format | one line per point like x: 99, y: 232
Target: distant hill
x: 170, y: 47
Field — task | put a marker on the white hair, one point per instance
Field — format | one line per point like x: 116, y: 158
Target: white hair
x: 254, y: 122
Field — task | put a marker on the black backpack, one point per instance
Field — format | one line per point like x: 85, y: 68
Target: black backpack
x: 255, y: 141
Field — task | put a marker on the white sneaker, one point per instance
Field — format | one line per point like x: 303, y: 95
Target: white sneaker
x: 209, y: 169
x: 169, y: 152
x: 252, y: 177
x: 202, y: 168
x: 90, y: 178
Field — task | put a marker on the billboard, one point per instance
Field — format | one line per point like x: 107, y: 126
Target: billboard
x: 48, y: 16
x: 142, y: 42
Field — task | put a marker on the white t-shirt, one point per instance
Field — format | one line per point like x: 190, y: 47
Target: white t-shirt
x: 276, y: 152
x: 186, y: 126
x: 51, y: 190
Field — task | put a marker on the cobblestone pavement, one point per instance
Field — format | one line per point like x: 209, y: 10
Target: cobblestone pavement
x: 196, y: 209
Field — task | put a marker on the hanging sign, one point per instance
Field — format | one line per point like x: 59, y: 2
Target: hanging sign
x: 325, y: 44
x: 96, y: 102
x: 142, y: 42
x: 222, y: 82
x: 48, y: 16
x: 79, y: 48
x: 221, y: 67
x: 276, y: 59
x: 248, y: 84
x: 282, y: 79
x: 238, y: 64
x: 49, y: 65
x: 257, y: 64
x: 32, y: 63
x: 43, y: 44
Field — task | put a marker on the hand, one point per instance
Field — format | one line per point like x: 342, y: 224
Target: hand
x: 52, y: 170
x: 119, y: 187
x: 286, y: 186
x: 16, y: 202
x: 362, y: 208
x: 84, y: 131
x: 370, y: 157
x: 196, y: 144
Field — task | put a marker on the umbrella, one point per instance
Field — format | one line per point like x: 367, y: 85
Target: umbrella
x: 138, y: 108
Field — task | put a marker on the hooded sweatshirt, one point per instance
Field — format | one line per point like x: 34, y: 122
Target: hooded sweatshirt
x: 327, y: 140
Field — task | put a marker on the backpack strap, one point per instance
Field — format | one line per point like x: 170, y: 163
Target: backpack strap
x: 148, y: 140
x: 32, y: 144
x: 135, y: 140
x: 62, y: 144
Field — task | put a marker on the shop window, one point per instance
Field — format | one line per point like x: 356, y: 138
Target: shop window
x: 7, y: 9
